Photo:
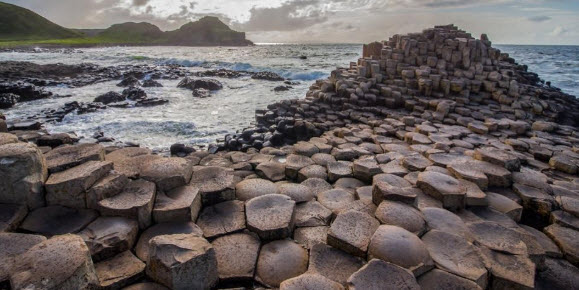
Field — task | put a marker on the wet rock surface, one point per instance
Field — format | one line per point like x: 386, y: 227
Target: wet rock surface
x: 434, y: 161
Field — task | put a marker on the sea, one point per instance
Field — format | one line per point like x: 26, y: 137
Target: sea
x: 199, y: 122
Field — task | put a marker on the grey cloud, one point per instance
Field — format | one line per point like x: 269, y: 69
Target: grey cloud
x: 539, y: 18
x: 140, y: 2
x: 289, y: 16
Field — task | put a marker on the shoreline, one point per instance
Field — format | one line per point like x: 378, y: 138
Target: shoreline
x: 432, y: 143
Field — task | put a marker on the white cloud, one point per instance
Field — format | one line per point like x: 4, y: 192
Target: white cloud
x: 559, y: 30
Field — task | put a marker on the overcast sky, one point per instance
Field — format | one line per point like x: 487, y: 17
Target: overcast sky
x: 315, y: 21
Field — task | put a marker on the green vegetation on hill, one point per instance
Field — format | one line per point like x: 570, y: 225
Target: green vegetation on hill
x: 20, y: 27
x: 132, y: 32
x: 17, y: 23
x: 206, y: 31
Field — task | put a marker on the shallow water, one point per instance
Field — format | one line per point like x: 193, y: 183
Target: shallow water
x: 200, y: 121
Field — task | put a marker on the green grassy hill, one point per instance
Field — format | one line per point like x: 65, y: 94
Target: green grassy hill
x: 133, y: 32
x: 206, y: 31
x: 17, y: 23
x: 20, y: 27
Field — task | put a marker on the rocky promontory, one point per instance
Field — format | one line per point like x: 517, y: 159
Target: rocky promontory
x: 433, y: 162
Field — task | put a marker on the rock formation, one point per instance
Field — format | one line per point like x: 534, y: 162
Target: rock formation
x: 435, y: 161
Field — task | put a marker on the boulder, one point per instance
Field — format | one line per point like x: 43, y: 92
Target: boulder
x: 505, y: 205
x: 208, y: 84
x: 110, y: 97
x: 499, y: 157
x: 109, y: 236
x: 416, y: 163
x: 567, y: 240
x: 254, y: 187
x: 62, y: 262
x: 11, y: 216
x: 7, y: 100
x: 509, y: 271
x: 444, y: 188
x: 129, y: 81
x: 23, y: 171
x: 441, y: 280
x: 179, y: 204
x: 351, y: 232
x: 168, y: 173
x: 323, y: 261
x: 272, y: 170
x: 134, y: 202
x: 62, y: 158
x: 294, y: 163
x: 119, y: 271
x: 474, y: 195
x: 150, y: 83
x: 182, y: 261
x: 339, y: 169
x: 335, y: 199
x: 317, y: 185
x: 382, y: 191
x: 535, y: 200
x: 497, y: 237
x: 297, y: 192
x: 401, y: 215
x: 222, y: 218
x: 365, y: 169
x: 565, y: 219
x: 142, y: 247
x: 446, y: 221
x: 236, y: 256
x: 311, y: 236
x: 55, y: 140
x: 454, y: 254
x: 558, y: 274
x: 57, y: 220
x: 310, y: 281
x: 312, y: 214
x: 399, y: 246
x: 279, y: 261
x: 6, y: 138
x: 11, y: 246
x: 564, y: 164
x: 270, y: 216
x: 312, y: 171
x: 378, y: 270
x: 108, y: 186
x: 68, y: 188
x: 216, y: 184
x: 323, y: 159
x: 134, y: 94
x: 551, y: 249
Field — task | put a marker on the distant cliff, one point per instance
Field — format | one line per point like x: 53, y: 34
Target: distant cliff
x: 22, y: 27
x: 17, y: 23
x: 204, y: 32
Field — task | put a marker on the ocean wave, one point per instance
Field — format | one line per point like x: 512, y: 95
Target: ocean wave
x: 242, y: 66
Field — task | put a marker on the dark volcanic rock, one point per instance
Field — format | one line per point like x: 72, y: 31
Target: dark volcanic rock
x: 110, y: 97
x: 130, y: 81
x: 27, y: 92
x: 208, y: 84
x: 134, y: 93
x: 152, y: 84
x: 7, y: 100
x: 268, y: 76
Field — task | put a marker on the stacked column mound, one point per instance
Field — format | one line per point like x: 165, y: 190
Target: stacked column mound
x: 407, y: 171
x: 441, y: 75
